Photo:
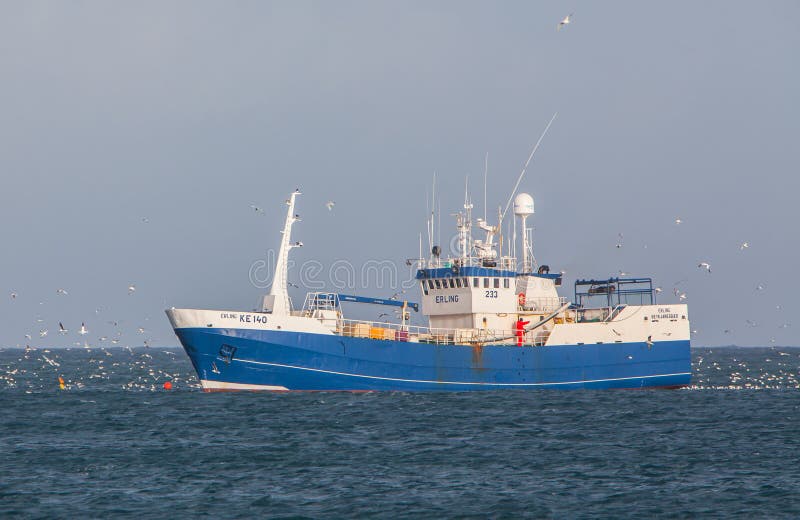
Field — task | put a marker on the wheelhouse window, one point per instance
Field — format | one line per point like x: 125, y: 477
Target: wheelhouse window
x: 458, y: 283
x: 438, y: 283
x: 485, y: 283
x: 465, y: 282
x: 452, y: 283
x: 497, y: 283
x: 505, y: 283
x: 476, y: 282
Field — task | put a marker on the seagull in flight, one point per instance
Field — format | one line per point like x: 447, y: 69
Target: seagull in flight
x: 678, y: 221
x: 61, y: 329
x: 13, y: 296
x: 744, y: 246
x: 61, y: 291
x: 566, y: 21
x: 131, y: 289
x: 43, y: 333
x: 682, y: 296
x: 330, y: 204
x: 619, y: 244
x: 705, y: 265
x: 83, y: 330
x: 257, y: 209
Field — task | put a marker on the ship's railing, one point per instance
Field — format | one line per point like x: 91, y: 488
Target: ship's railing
x: 508, y: 263
x: 438, y: 336
x: 325, y: 301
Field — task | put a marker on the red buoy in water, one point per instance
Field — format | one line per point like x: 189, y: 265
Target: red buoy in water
x: 167, y: 385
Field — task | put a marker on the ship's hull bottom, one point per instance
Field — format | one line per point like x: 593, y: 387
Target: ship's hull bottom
x: 278, y: 361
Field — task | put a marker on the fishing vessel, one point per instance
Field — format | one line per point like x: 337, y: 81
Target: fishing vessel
x: 493, y: 323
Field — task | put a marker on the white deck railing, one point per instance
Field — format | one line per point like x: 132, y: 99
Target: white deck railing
x: 437, y: 336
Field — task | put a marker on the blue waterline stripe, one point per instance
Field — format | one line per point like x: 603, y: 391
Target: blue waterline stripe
x: 456, y: 382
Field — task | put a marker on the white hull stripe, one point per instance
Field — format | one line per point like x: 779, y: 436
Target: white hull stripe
x: 457, y: 382
x: 221, y: 385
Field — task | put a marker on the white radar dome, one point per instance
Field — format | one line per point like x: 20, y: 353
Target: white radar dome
x: 523, y: 205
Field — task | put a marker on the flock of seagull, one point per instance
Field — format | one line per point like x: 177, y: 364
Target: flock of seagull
x: 82, y: 331
x: 37, y: 369
x: 706, y: 267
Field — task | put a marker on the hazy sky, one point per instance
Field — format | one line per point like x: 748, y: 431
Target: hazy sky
x: 186, y: 113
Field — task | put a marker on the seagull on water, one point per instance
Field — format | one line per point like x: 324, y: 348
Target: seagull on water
x: 50, y: 361
x: 566, y: 21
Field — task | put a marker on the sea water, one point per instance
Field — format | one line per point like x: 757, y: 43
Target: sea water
x: 114, y: 443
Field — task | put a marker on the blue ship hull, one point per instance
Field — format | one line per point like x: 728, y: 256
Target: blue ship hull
x: 282, y: 360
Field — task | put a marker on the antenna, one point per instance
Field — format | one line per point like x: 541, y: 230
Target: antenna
x: 427, y: 221
x: 431, y: 221
x: 522, y: 174
x: 485, y: 175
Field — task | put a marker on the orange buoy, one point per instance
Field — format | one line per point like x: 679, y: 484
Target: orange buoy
x: 167, y: 385
x: 61, y: 384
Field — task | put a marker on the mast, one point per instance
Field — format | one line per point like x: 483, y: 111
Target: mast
x: 465, y: 225
x: 281, y: 304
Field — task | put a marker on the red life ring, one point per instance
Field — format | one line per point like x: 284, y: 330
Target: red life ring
x: 521, y: 299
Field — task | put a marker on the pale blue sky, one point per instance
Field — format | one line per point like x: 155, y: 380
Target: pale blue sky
x: 185, y: 113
